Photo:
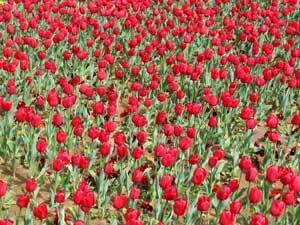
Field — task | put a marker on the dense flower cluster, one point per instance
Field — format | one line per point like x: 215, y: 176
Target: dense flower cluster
x: 153, y: 112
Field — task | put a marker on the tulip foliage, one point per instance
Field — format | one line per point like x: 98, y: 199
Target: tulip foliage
x: 155, y: 112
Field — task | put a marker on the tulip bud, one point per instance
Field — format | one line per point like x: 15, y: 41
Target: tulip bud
x: 203, y: 203
x: 30, y: 184
x: 40, y: 211
x: 226, y: 218
x: 180, y: 206
x: 258, y: 219
x: 255, y: 195
x: 3, y: 188
x: 23, y: 201
x: 119, y: 201
x: 277, y: 208
x: 235, y: 207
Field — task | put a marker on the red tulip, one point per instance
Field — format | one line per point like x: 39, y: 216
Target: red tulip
x: 290, y: 198
x: 277, y: 208
x: 180, y: 206
x: 185, y: 143
x: 23, y: 201
x: 58, y: 164
x: 223, y: 193
x: 166, y: 181
x: 235, y: 207
x: 255, y: 195
x: 272, y: 121
x: 168, y: 159
x: 61, y: 136
x: 274, y: 136
x: 234, y: 185
x: 135, y: 192
x: 119, y: 201
x: 3, y: 188
x: 194, y: 159
x: 132, y: 214
x: 84, y: 162
x: 245, y: 163
x: 137, y: 176
x: 273, y: 173
x: 53, y: 98
x: 137, y: 152
x: 219, y: 153
x: 296, y: 119
x: 213, y: 160
x: 139, y: 120
x: 226, y: 218
x: 79, y: 222
x: 87, y: 201
x: 251, y: 123
x: 41, y: 145
x: 141, y: 137
x: 57, y: 119
x: 160, y: 223
x: 170, y: 193
x: 258, y: 219
x: 203, y: 203
x: 60, y: 196
x: 213, y: 121
x: 41, y: 211
x: 119, y: 138
x: 199, y: 175
x: 254, y: 97
x: 295, y: 184
x: 251, y: 174
x: 31, y: 184
x: 178, y: 130
x: 247, y: 112
x: 6, y: 222
x: 191, y: 132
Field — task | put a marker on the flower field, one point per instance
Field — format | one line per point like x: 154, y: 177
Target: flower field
x: 149, y: 112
